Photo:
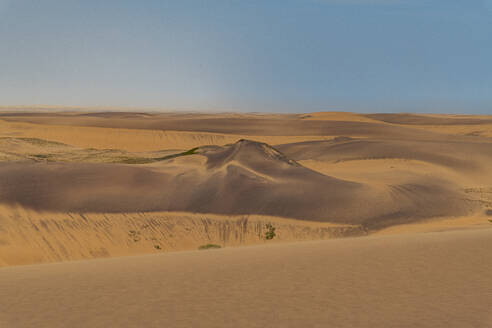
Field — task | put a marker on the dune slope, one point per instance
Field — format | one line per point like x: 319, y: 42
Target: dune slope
x: 28, y: 236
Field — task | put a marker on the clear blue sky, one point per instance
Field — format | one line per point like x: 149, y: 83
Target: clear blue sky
x: 251, y: 55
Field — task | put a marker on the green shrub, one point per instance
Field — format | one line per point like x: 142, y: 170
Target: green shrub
x: 270, y: 233
x: 209, y: 246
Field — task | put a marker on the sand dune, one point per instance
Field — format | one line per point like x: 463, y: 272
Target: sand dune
x: 416, y: 119
x: 100, y: 186
x: 338, y: 116
x: 243, y: 178
x: 314, y: 176
x: 466, y: 157
x: 476, y: 130
x: 465, y: 125
x: 416, y: 280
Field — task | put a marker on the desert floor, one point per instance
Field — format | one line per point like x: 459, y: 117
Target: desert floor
x: 381, y: 219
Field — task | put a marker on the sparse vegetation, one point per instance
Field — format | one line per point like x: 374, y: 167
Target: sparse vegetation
x: 270, y: 231
x: 157, y: 247
x: 144, y: 160
x: 209, y: 246
x: 185, y: 153
x: 134, y: 160
x: 41, y: 156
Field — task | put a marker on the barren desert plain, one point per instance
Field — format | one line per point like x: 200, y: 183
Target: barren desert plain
x: 381, y: 220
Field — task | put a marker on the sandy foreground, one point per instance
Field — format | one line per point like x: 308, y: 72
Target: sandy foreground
x: 407, y: 280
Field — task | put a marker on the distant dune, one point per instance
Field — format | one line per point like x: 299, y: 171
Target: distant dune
x: 242, y: 124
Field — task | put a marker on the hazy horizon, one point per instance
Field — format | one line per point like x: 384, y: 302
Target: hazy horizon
x: 423, y: 56
x: 144, y: 109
